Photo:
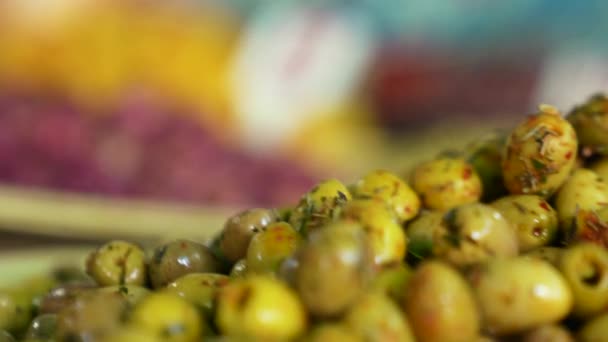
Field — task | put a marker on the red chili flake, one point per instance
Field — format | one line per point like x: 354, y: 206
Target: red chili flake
x: 568, y: 155
x: 545, y: 206
x: 407, y: 209
x: 183, y: 245
x: 467, y: 173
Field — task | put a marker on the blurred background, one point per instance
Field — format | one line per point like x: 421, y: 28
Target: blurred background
x: 229, y: 104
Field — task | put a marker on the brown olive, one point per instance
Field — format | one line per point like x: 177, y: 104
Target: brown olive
x: 240, y: 228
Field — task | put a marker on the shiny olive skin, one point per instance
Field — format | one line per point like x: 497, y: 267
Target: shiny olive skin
x: 392, y: 280
x: 391, y: 189
x: 132, y: 294
x: 318, y: 207
x: 62, y: 296
x: 540, y: 154
x: 440, y: 305
x: 518, y: 294
x: 533, y: 218
x: 585, y: 190
x: 42, y: 327
x: 177, y: 258
x: 239, y: 269
x: 485, y: 155
x: 117, y: 263
x: 330, y: 332
x: 387, y: 238
x: 590, y: 120
x: 240, y: 228
x: 585, y: 268
x: 548, y: 333
x: 472, y: 233
x: 261, y: 308
x: 169, y: 317
x: 15, y: 310
x: 375, y: 317
x: 199, y: 289
x: 132, y: 334
x: 92, y: 315
x: 445, y: 183
x: 594, y: 330
x: 268, y: 248
x: 5, y: 336
x: 420, y: 233
x: 339, y: 252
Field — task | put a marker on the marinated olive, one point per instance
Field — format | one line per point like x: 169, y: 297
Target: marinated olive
x: 534, y: 220
x: 485, y: 155
x: 260, y: 307
x: 339, y: 252
x: 268, y: 248
x: 199, y: 289
x: 132, y: 294
x: 472, y: 233
x: 239, y: 269
x: 591, y: 123
x: 389, y: 188
x: 585, y: 267
x: 318, y: 207
x: 15, y: 310
x: 440, y: 305
x: 177, y: 258
x: 240, y: 228
x: 548, y: 333
x: 117, y: 263
x: 420, y: 234
x: 43, y: 327
x: 594, y: 330
x: 540, y: 153
x: 445, y: 183
x: 589, y: 226
x: 63, y: 296
x: 375, y: 317
x: 329, y: 332
x: 386, y: 237
x: 583, y: 190
x: 517, y: 294
x: 169, y: 317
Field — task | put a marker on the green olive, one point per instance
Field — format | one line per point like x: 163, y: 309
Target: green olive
x: 169, y: 317
x: 132, y: 294
x: 387, y: 238
x: 339, y: 252
x: 583, y: 190
x: 392, y: 280
x: 318, y: 207
x: 5, y: 336
x: 440, y: 305
x: 42, y: 327
x: 540, y: 154
x: 420, y: 234
x: 117, y: 263
x: 389, y: 188
x: 485, y: 155
x: 594, y: 330
x: 445, y: 183
x: 591, y: 123
x: 199, y: 289
x: 268, y: 248
x: 63, y: 296
x: 330, y: 332
x: 517, y: 294
x: 585, y: 267
x: 92, y: 315
x: 239, y: 269
x: 548, y: 333
x: 240, y: 228
x: 472, y: 233
x: 375, y: 317
x: 15, y: 309
x: 550, y: 254
x: 175, y: 259
x: 260, y: 307
x: 534, y: 220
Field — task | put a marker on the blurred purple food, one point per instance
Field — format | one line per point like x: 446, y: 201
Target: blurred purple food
x: 142, y: 148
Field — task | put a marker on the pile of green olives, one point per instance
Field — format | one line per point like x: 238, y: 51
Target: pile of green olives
x: 505, y: 240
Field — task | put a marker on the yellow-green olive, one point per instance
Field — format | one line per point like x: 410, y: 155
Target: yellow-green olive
x: 595, y: 330
x: 240, y: 228
x: 583, y: 190
x: 472, y: 233
x: 591, y: 123
x: 517, y: 294
x: 552, y: 255
x: 585, y: 267
x: 420, y: 234
x: 392, y: 280
x: 132, y: 334
x: 388, y: 187
x: 386, y: 237
x: 268, y: 248
x: 375, y: 317
x: 131, y: 293
x: 15, y: 309
x: 331, y: 332
x: 260, y: 307
x: 445, y: 183
x: 439, y: 304
x: 169, y: 317
x: 548, y: 333
x: 117, y: 263
x: 540, y: 153
x: 534, y: 220
x: 600, y: 168
x: 199, y: 289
